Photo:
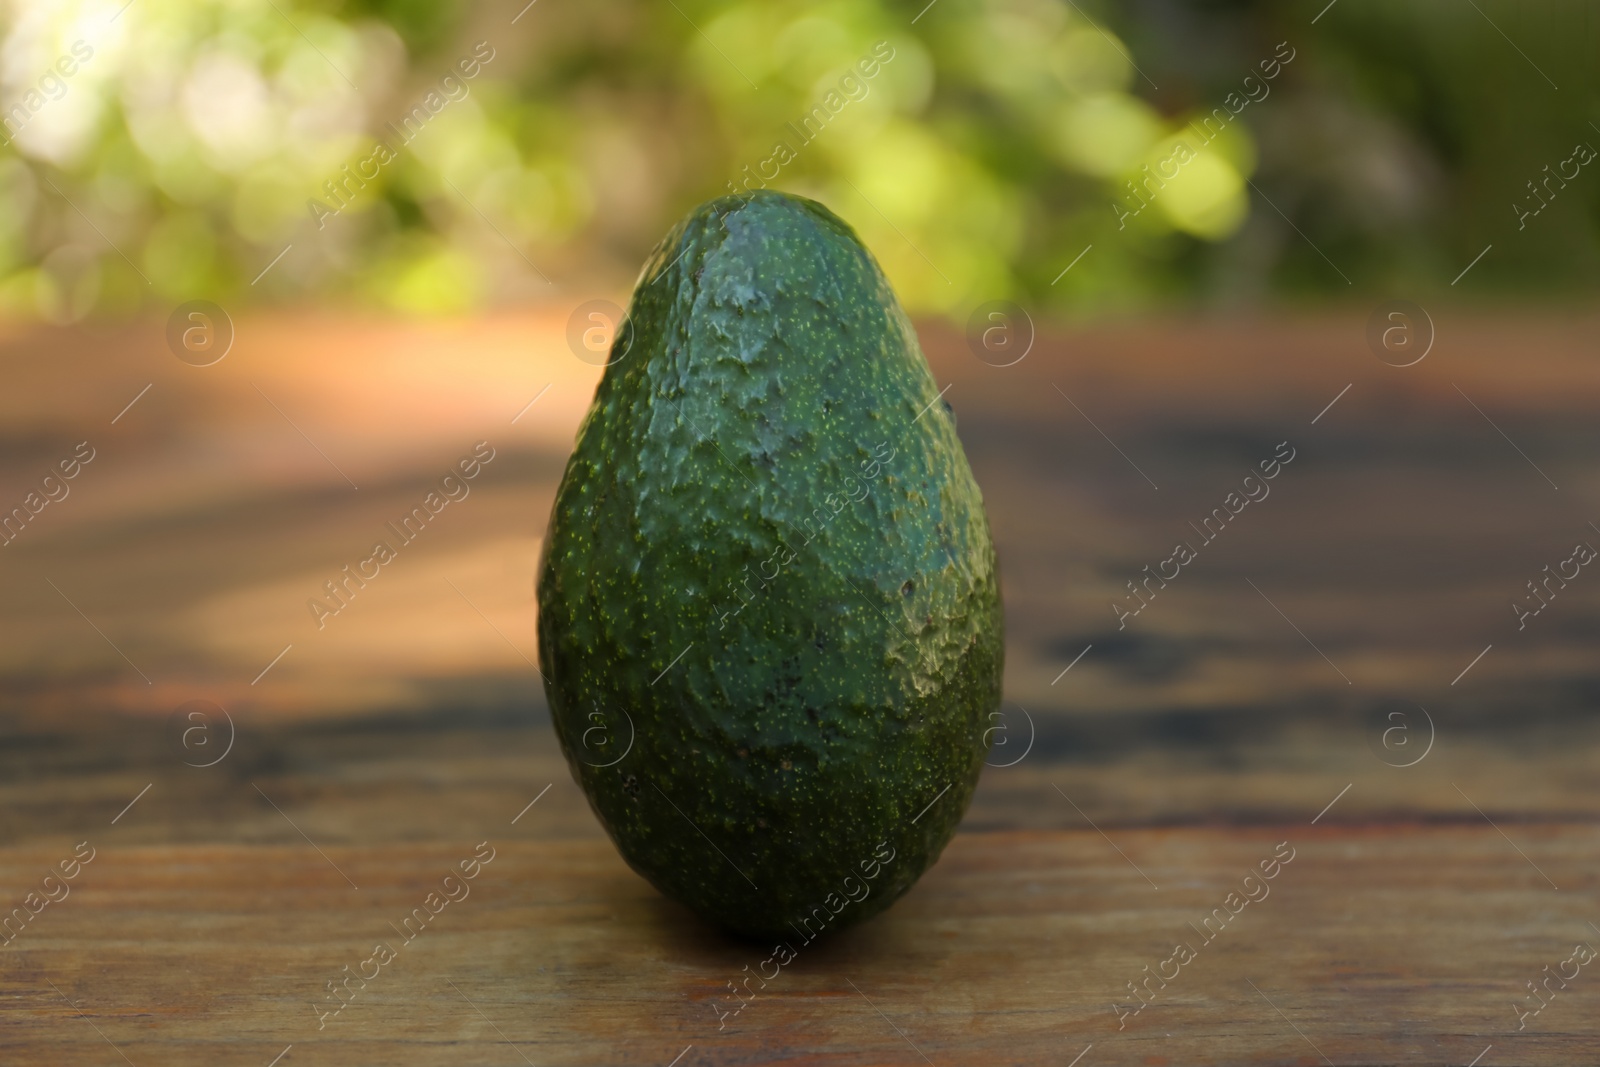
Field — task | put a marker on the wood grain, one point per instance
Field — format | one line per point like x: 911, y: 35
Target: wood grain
x: 1399, y: 945
x: 1171, y: 759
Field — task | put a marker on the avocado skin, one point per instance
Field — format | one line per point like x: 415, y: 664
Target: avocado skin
x: 775, y: 758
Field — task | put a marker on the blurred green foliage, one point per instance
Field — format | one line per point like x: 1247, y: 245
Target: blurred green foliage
x: 195, y: 141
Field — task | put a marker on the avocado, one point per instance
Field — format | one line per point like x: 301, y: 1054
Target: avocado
x: 769, y: 611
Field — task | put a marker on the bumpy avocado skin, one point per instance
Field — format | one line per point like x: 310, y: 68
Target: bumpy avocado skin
x: 769, y: 612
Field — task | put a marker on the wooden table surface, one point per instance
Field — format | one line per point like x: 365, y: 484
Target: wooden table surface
x: 1338, y: 678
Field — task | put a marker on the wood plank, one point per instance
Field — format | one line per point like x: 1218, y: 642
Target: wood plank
x: 1197, y: 738
x: 1396, y: 944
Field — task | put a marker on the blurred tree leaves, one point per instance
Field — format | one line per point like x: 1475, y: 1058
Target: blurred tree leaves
x: 998, y: 141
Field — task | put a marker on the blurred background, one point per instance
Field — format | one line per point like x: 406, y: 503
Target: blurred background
x: 192, y: 143
x: 269, y: 269
x: 1194, y: 219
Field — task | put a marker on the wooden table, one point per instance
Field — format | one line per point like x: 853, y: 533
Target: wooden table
x: 1242, y: 713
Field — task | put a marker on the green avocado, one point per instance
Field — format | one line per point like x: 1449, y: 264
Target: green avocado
x: 769, y: 611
